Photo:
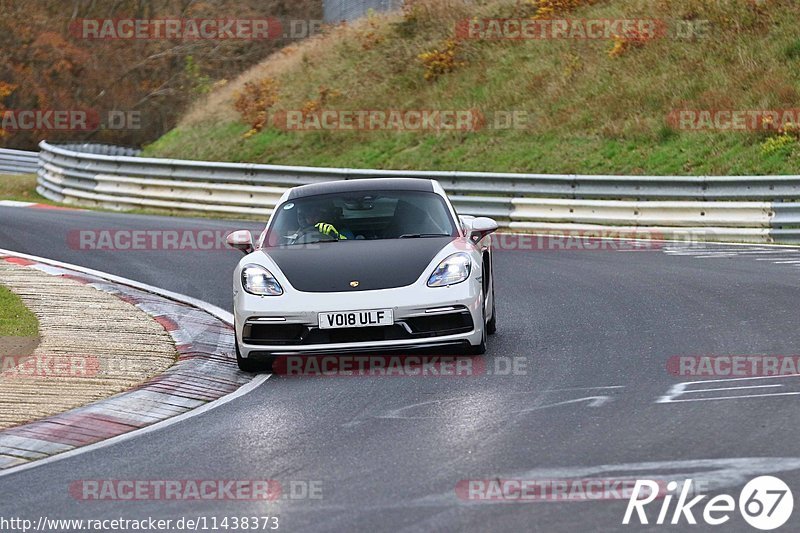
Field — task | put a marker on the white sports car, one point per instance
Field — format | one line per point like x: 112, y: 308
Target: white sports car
x: 362, y: 265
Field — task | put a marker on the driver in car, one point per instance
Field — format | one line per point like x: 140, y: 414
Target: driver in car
x: 321, y: 218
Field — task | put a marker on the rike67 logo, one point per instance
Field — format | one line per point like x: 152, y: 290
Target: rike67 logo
x: 765, y: 503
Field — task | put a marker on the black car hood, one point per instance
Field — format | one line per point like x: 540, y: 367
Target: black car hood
x: 375, y: 264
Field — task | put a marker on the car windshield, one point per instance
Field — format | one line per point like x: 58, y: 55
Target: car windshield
x: 360, y: 215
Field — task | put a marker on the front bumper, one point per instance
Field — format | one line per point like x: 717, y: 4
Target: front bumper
x: 424, y: 318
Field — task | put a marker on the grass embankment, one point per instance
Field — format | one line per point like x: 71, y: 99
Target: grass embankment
x: 590, y: 110
x: 21, y: 188
x: 16, y: 320
x: 19, y: 330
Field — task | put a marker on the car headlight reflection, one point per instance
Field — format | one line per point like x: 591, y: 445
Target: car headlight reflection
x: 453, y: 269
x: 260, y: 281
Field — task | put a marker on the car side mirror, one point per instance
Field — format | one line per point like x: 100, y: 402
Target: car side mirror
x: 242, y: 240
x: 466, y: 221
x: 481, y: 227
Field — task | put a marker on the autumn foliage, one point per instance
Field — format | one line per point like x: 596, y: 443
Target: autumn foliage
x: 43, y: 65
x: 254, y: 102
x: 549, y: 8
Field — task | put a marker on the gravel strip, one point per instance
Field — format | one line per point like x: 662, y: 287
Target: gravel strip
x: 93, y: 345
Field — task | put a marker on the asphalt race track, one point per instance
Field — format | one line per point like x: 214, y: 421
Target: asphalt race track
x: 593, y: 331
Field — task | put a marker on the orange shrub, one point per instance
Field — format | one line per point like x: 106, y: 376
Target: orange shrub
x: 325, y: 95
x: 254, y: 101
x: 548, y: 8
x: 370, y: 36
x: 623, y: 43
x: 441, y: 60
x: 5, y: 90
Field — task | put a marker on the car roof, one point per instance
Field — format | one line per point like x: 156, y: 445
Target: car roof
x: 358, y: 185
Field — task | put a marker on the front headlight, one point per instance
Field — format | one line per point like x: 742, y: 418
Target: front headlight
x: 260, y: 281
x: 454, y: 269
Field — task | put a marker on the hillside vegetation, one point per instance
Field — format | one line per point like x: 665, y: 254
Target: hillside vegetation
x: 592, y: 105
x: 46, y: 63
x: 16, y: 320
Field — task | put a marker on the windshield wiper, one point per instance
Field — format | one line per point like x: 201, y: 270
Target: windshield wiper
x: 422, y: 235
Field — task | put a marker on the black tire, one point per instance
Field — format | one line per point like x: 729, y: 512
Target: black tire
x: 481, y: 348
x: 247, y: 365
x: 491, y: 326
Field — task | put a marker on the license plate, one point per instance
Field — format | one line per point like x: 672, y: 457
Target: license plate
x: 356, y: 319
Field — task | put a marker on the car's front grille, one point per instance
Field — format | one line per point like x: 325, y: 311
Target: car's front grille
x: 302, y: 335
x: 343, y: 335
x: 443, y: 324
x: 273, y: 333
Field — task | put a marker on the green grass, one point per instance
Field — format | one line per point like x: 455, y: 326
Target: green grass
x: 16, y: 320
x: 21, y: 188
x: 697, y: 154
x: 589, y: 112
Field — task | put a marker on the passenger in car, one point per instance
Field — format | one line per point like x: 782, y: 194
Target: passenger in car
x: 323, y: 218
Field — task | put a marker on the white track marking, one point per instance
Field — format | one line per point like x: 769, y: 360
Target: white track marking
x: 681, y: 389
x: 223, y: 315
x: 775, y: 254
x: 735, y: 388
x: 400, y: 412
x: 594, y: 401
x: 759, y: 252
x: 579, y: 388
x: 771, y: 395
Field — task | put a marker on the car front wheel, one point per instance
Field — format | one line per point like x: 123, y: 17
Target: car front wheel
x: 491, y: 326
x: 246, y: 365
x: 480, y: 349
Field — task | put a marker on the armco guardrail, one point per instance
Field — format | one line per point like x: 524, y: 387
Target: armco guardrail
x: 729, y: 208
x: 101, y: 149
x: 18, y: 161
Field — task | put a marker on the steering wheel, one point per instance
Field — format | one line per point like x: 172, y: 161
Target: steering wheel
x: 308, y: 236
